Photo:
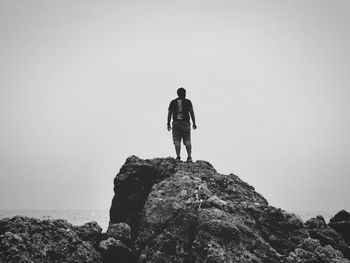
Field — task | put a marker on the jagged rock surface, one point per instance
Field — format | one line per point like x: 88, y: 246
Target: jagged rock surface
x: 24, y: 239
x: 311, y: 251
x: 341, y: 223
x: 318, y: 229
x: 188, y: 212
x: 166, y: 211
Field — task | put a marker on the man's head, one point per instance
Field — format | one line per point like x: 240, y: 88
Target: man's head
x: 181, y: 92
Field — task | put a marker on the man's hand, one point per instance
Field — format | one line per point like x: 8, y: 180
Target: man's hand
x: 194, y: 126
x: 169, y: 127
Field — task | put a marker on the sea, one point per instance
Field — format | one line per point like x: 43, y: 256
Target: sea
x: 75, y: 217
x: 80, y: 217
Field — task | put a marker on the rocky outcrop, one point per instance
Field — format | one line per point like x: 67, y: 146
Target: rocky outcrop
x: 341, y: 223
x: 311, y: 251
x: 24, y: 239
x: 175, y: 212
x: 318, y: 229
x: 188, y: 212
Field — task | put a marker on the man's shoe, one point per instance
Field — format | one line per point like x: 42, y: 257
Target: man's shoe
x: 189, y: 159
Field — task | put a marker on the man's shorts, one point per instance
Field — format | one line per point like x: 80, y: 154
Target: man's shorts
x: 181, y: 129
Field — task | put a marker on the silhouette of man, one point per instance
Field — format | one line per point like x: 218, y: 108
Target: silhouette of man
x: 181, y: 109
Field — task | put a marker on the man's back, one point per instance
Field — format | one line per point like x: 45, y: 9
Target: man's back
x: 180, y: 108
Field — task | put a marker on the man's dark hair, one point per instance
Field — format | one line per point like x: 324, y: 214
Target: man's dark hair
x: 181, y: 92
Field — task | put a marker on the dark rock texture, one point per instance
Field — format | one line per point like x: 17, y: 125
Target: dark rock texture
x: 318, y: 229
x: 165, y: 211
x: 188, y: 212
x: 24, y: 239
x: 311, y: 251
x: 341, y: 223
x: 118, y: 244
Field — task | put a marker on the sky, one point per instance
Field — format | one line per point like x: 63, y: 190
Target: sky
x: 85, y: 84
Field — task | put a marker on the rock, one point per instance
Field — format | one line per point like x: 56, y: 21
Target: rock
x: 119, y: 231
x: 33, y: 240
x: 169, y: 211
x: 340, y: 217
x: 90, y: 232
x: 188, y: 212
x: 329, y: 254
x: 341, y: 223
x: 301, y: 255
x: 310, y: 244
x: 133, y: 184
x: 318, y: 229
x: 311, y: 251
x: 114, y: 250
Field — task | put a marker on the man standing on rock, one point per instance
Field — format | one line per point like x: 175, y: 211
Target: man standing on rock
x: 181, y: 109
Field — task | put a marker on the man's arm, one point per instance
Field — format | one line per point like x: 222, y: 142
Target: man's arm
x: 193, y: 118
x: 169, y: 119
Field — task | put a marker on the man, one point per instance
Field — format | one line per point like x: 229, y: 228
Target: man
x: 181, y: 109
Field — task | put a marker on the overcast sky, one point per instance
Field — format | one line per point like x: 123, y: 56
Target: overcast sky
x: 85, y: 84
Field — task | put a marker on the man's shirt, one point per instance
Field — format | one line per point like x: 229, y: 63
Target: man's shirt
x: 180, y: 109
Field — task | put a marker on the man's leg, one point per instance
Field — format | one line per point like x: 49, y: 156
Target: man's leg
x: 188, y: 148
x: 177, y: 139
x: 177, y: 148
x: 187, y: 141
